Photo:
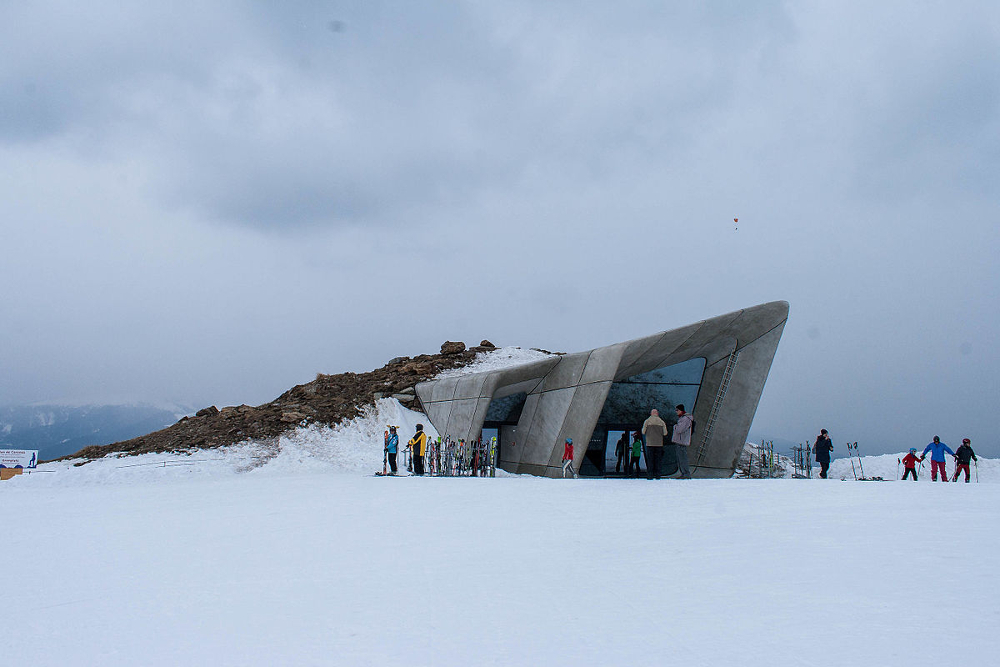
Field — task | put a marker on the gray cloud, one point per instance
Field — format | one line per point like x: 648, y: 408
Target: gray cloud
x: 213, y: 203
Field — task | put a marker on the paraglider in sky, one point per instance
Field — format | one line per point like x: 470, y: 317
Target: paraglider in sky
x: 737, y: 221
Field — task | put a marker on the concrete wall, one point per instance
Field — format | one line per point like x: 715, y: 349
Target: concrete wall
x: 565, y: 394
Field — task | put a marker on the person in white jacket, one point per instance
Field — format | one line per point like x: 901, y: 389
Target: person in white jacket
x: 682, y: 439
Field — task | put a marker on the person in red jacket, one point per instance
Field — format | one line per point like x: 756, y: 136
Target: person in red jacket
x: 568, y: 458
x: 910, y: 463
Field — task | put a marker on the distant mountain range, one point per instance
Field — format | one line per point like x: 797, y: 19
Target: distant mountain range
x: 57, y: 430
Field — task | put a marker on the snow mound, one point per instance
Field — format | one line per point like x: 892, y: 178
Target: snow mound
x: 885, y: 466
x: 500, y: 358
x: 354, y: 446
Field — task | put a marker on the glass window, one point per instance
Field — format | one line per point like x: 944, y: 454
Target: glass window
x: 506, y: 410
x: 629, y: 401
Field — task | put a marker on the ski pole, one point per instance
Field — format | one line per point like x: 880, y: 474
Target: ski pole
x: 851, y: 456
x: 897, y: 467
x: 860, y: 465
x: 976, y: 461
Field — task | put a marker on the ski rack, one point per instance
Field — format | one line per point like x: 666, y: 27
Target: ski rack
x: 449, y: 457
x: 761, y: 463
x: 802, y: 461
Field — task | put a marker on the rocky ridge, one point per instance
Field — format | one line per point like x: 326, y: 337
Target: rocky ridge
x: 329, y: 399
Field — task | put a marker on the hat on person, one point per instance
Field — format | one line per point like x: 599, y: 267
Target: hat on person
x: 913, y: 450
x: 569, y: 440
x: 966, y: 441
x: 823, y: 431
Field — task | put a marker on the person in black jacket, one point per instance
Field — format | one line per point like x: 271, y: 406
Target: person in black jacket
x: 622, y: 456
x: 821, y: 450
x: 962, y: 457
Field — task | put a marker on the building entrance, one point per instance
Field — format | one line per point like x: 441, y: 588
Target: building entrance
x: 602, y: 458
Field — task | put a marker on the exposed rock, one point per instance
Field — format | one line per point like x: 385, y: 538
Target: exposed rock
x: 487, y: 344
x: 449, y: 347
x: 329, y: 399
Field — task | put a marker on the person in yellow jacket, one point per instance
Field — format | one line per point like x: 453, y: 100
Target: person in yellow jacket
x: 418, y: 444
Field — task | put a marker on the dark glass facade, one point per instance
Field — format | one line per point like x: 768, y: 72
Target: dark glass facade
x: 627, y: 407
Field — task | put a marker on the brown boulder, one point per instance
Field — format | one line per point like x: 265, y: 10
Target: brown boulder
x: 449, y: 347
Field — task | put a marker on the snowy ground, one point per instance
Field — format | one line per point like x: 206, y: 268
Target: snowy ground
x: 235, y: 558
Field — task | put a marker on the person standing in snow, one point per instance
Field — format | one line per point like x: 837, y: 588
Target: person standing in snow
x: 937, y: 450
x: 621, y: 454
x: 567, y: 458
x: 821, y: 450
x: 682, y: 439
x: 636, y: 451
x: 392, y: 447
x: 419, y: 445
x: 910, y: 464
x: 654, y: 430
x: 963, y: 455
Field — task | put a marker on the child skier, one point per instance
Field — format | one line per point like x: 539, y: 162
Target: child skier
x: 636, y: 452
x: 962, y: 457
x: 910, y: 463
x: 568, y: 458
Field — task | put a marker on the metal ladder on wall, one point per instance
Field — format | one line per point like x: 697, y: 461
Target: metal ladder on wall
x: 727, y: 376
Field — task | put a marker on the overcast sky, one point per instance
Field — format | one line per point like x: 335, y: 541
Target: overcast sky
x: 208, y: 203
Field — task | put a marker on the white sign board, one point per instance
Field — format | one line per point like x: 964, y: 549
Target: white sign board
x: 18, y: 458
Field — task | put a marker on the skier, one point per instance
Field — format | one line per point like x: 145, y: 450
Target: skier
x: 937, y: 449
x: 568, y: 459
x: 636, y: 452
x: 682, y: 439
x: 392, y: 447
x: 822, y: 450
x: 962, y: 457
x: 910, y: 463
x: 654, y: 430
x: 419, y: 444
x: 620, y: 453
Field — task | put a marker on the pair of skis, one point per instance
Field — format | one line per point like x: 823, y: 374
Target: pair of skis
x: 852, y: 451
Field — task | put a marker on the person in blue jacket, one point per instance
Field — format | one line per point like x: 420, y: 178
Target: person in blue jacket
x: 937, y: 450
x: 392, y: 446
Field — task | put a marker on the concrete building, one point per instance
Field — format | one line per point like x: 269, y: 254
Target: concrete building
x: 716, y: 368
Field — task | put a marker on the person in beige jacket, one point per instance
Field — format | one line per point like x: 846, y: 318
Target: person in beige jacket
x: 654, y: 430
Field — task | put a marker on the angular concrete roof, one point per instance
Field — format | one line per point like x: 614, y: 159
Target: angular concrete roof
x: 565, y: 394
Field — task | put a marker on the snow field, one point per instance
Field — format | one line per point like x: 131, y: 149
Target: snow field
x: 331, y: 568
x: 291, y: 553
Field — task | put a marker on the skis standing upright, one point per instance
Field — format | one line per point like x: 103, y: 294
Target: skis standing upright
x: 493, y: 459
x: 385, y: 453
x: 853, y: 469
